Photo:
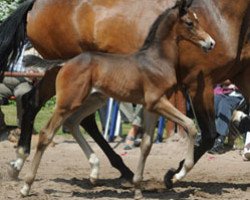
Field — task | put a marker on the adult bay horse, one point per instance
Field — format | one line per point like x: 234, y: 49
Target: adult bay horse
x: 120, y: 26
x: 146, y: 77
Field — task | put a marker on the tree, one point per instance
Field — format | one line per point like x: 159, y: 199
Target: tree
x: 6, y: 7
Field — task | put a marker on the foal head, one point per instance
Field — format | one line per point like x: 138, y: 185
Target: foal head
x: 178, y: 23
x: 188, y: 27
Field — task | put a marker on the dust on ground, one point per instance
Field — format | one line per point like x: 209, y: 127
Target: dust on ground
x: 64, y: 170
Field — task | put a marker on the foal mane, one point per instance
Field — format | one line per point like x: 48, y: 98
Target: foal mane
x: 154, y: 27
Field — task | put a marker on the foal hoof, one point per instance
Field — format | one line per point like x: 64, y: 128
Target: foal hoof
x: 93, y: 181
x: 138, y: 195
x: 25, y: 190
x: 12, y: 172
x: 168, y: 179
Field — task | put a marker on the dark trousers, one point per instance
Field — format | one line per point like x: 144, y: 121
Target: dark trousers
x: 224, y: 107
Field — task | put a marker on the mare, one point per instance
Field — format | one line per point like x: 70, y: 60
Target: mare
x: 146, y: 77
x: 120, y: 26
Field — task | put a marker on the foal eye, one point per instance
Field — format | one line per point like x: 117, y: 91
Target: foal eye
x: 190, y: 24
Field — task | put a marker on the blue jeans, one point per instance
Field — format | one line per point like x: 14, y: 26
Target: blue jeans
x: 224, y: 106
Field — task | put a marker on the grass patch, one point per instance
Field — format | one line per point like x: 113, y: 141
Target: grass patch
x: 43, y: 116
x: 46, y: 112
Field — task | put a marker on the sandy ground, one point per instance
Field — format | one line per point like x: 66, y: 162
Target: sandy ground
x: 63, y: 174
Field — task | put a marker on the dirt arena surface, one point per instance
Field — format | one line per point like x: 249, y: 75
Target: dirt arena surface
x: 63, y: 174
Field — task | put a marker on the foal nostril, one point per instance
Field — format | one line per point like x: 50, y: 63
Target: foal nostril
x: 212, y: 44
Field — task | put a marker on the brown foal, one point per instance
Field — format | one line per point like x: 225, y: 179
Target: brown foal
x: 146, y: 77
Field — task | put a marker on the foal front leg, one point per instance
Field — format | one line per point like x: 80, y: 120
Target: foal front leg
x: 165, y: 108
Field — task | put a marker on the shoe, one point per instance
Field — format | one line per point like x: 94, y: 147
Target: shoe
x: 129, y: 143
x: 218, y: 147
x: 137, y: 142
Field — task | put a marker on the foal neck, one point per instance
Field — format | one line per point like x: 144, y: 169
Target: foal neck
x: 161, y: 40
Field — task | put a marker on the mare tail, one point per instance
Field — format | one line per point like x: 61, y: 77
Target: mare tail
x: 12, y: 36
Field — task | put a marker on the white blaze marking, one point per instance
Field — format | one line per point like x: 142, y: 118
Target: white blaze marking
x: 195, y: 16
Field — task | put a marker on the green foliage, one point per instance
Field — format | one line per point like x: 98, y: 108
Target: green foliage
x: 7, y: 7
x: 51, y: 103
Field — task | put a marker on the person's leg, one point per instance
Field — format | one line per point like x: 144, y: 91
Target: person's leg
x: 136, y: 125
x: 223, y: 109
x: 12, y: 82
x: 127, y: 111
x: 138, y: 122
x: 5, y: 92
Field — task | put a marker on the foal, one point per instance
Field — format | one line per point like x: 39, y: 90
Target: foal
x: 147, y: 77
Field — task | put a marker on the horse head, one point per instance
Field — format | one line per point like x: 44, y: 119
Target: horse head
x: 189, y: 28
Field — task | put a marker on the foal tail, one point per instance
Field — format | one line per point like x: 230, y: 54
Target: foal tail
x: 37, y: 62
x: 12, y: 35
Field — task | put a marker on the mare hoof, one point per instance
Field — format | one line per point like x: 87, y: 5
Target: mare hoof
x: 168, y: 178
x: 13, y: 172
x: 126, y: 184
x: 25, y: 190
x: 138, y: 195
x: 128, y: 176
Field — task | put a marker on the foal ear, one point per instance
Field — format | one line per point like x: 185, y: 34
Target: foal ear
x: 189, y: 3
x: 183, y: 6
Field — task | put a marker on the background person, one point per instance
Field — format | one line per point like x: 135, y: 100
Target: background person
x: 226, y: 98
x: 134, y: 114
x: 17, y: 87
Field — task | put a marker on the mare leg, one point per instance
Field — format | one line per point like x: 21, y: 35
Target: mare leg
x: 116, y: 161
x: 32, y: 103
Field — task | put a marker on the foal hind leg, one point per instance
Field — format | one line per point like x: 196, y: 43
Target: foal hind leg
x: 45, y: 138
x: 116, y: 161
x: 165, y: 108
x: 150, y: 120
x: 91, y: 104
